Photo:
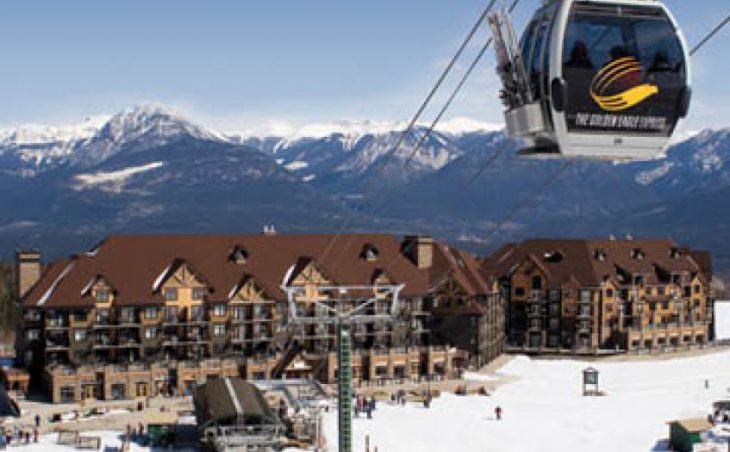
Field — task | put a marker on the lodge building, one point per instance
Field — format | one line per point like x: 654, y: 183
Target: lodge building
x: 141, y: 315
x: 592, y: 295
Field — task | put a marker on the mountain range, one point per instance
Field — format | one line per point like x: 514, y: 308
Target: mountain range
x: 148, y: 169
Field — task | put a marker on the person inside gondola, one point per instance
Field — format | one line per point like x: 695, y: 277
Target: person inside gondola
x: 579, y: 56
x: 661, y: 62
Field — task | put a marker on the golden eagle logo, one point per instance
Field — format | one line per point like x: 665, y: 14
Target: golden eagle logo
x: 619, y: 86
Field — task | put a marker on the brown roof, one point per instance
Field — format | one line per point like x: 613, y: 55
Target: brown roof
x: 461, y: 266
x: 131, y: 265
x: 563, y: 259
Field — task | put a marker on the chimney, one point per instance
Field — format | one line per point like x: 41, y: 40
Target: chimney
x: 419, y: 249
x: 269, y: 230
x: 27, y: 271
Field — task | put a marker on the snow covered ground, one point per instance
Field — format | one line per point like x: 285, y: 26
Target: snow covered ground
x: 545, y: 411
x: 109, y: 441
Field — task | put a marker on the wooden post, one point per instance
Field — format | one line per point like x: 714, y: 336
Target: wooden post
x: 367, y: 443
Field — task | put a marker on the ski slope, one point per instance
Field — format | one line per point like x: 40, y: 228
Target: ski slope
x: 544, y: 409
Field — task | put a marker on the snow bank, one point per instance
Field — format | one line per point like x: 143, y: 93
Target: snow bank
x: 722, y: 320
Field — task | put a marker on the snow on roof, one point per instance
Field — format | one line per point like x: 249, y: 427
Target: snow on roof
x: 55, y: 283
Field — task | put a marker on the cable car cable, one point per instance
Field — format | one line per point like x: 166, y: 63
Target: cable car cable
x: 456, y: 90
x: 438, y: 84
x: 445, y: 107
x: 555, y: 175
x: 409, y: 128
x: 560, y: 170
x: 710, y: 35
x: 493, y: 158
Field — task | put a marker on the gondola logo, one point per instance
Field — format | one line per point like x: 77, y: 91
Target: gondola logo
x: 619, y: 86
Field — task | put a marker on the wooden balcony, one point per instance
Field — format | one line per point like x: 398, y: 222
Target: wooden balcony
x: 82, y: 322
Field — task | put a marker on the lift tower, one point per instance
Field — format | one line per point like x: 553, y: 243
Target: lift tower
x: 342, y: 307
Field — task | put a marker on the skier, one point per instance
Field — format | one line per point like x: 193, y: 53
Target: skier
x: 498, y: 413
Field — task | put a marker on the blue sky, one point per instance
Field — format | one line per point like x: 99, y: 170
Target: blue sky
x: 245, y: 64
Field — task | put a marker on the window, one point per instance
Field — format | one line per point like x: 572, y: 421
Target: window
x: 196, y: 313
x: 637, y: 253
x: 665, y: 305
x: 585, y: 296
x: 102, y: 316
x: 369, y: 253
x: 198, y: 293
x: 554, y: 324
x: 519, y: 291
x: 219, y: 330
x: 102, y: 295
x: 32, y: 335
x: 151, y: 332
x: 554, y: 309
x: 171, y: 314
x: 697, y: 288
x: 127, y: 315
x: 238, y: 313
x: 171, y: 294
x: 150, y: 312
x: 219, y: 310
x: 609, y: 293
x: 80, y: 316
x: 601, y: 35
x: 554, y: 295
x: 68, y: 394
x: 79, y: 335
x: 239, y: 255
x: 536, y: 283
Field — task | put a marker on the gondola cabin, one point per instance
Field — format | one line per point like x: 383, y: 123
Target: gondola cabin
x: 598, y: 79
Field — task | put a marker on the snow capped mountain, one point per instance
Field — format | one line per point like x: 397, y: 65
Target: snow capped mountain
x: 347, y: 149
x: 148, y: 168
x: 39, y: 134
x: 701, y: 162
x: 140, y: 128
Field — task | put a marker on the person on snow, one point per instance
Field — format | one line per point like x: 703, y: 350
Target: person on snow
x: 498, y: 413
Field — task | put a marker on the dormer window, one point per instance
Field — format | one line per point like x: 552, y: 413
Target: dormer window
x: 637, y: 253
x: 675, y: 253
x: 369, y: 253
x: 171, y: 294
x: 600, y: 255
x: 102, y: 295
x: 553, y: 256
x: 239, y: 255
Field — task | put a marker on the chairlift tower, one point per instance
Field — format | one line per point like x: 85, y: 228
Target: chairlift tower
x: 342, y: 306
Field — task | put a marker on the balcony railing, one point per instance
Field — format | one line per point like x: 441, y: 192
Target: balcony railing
x: 57, y: 323
x: 56, y: 344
